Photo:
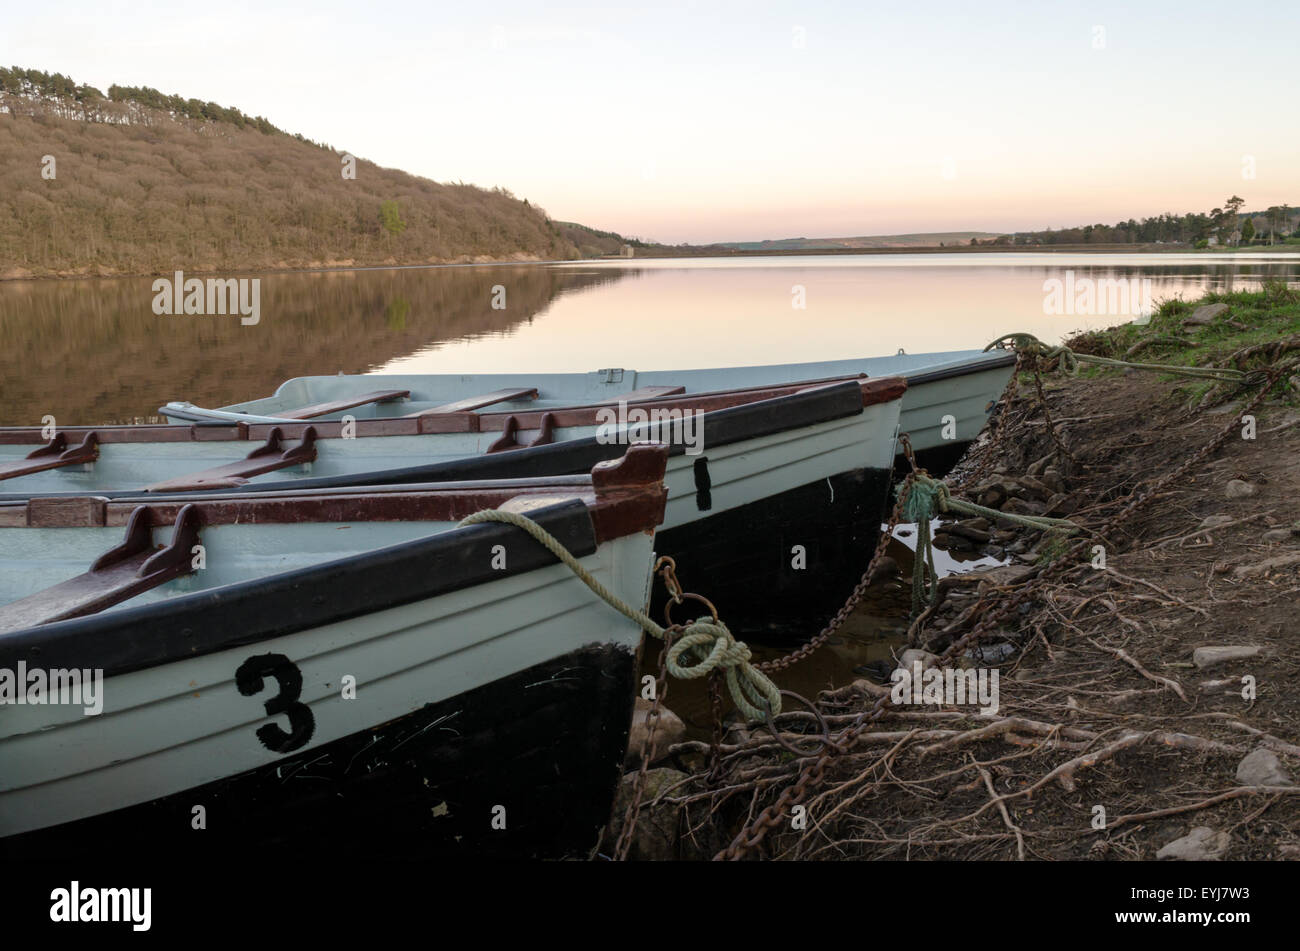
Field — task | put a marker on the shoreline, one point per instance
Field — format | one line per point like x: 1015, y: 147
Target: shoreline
x: 516, y: 261
x: 1144, y: 707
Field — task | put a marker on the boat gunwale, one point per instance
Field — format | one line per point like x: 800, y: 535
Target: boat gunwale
x: 997, y: 360
x: 874, y: 390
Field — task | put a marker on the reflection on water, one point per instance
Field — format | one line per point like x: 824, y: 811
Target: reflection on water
x: 740, y: 311
x: 94, y: 352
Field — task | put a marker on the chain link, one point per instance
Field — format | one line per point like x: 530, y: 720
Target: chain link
x: 849, y: 606
x: 715, y: 741
x: 630, y: 817
x: 1003, y: 423
x: 1047, y: 412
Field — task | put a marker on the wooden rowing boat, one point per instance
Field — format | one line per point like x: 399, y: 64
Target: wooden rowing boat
x: 961, y: 384
x: 333, y: 671
x: 198, y: 456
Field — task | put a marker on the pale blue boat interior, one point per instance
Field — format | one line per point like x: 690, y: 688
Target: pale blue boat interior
x: 32, y: 560
x: 565, y: 389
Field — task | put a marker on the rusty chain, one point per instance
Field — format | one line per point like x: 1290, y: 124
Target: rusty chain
x: 715, y: 740
x: 1000, y: 424
x: 666, y: 568
x: 849, y: 606
x: 1047, y: 413
x: 753, y: 833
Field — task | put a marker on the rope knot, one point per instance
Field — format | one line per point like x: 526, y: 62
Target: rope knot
x: 711, y: 645
x: 926, y: 498
x: 706, y: 645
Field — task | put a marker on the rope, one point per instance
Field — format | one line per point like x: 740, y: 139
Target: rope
x: 1028, y: 343
x: 929, y: 497
x: 920, y: 505
x: 703, y: 646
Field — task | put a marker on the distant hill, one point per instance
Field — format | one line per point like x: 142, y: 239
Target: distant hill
x: 142, y: 182
x: 592, y: 243
x: 927, y: 240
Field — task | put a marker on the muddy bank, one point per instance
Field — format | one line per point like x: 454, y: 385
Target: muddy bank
x: 1144, y: 704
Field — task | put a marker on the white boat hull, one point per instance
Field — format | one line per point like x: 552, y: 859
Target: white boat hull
x: 168, y: 729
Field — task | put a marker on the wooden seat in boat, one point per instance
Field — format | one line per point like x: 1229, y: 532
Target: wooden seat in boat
x: 269, y: 457
x: 471, y: 403
x: 335, y: 406
x: 54, y: 456
x: 119, y: 574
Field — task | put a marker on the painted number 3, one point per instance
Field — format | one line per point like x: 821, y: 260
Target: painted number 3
x: 250, y: 678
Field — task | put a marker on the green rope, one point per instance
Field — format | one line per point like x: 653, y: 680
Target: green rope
x: 1028, y: 343
x: 919, y: 506
x: 929, y: 497
x: 704, y: 645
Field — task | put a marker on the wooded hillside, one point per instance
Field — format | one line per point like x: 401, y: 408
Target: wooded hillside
x: 137, y: 181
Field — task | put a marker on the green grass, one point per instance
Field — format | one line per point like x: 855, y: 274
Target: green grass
x: 1253, y: 317
x: 1279, y: 244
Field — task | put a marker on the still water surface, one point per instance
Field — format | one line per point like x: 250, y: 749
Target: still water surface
x: 93, y: 352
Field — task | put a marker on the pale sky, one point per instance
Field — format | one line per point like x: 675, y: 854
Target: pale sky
x: 740, y: 121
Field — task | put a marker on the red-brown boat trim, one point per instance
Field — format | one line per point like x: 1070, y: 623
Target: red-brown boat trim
x: 623, y: 496
x: 874, y: 390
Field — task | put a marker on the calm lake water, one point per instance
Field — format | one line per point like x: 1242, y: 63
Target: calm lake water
x: 93, y: 351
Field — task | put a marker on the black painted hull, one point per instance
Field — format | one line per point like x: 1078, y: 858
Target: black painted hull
x: 744, y: 560
x: 547, y: 744
x: 938, y: 460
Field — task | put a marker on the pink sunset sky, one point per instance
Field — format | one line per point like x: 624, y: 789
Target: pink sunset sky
x: 739, y: 121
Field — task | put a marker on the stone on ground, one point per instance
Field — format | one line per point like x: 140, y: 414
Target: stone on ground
x: 1202, y: 844
x: 1210, y: 656
x: 1262, y: 768
x: 666, y: 831
x: 670, y: 730
x: 913, y: 654
x: 1268, y: 564
x: 1237, y: 489
x: 656, y: 836
x: 1205, y: 314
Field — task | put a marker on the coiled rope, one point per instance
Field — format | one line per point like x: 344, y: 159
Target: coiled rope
x: 702, y: 646
x: 1028, y: 343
